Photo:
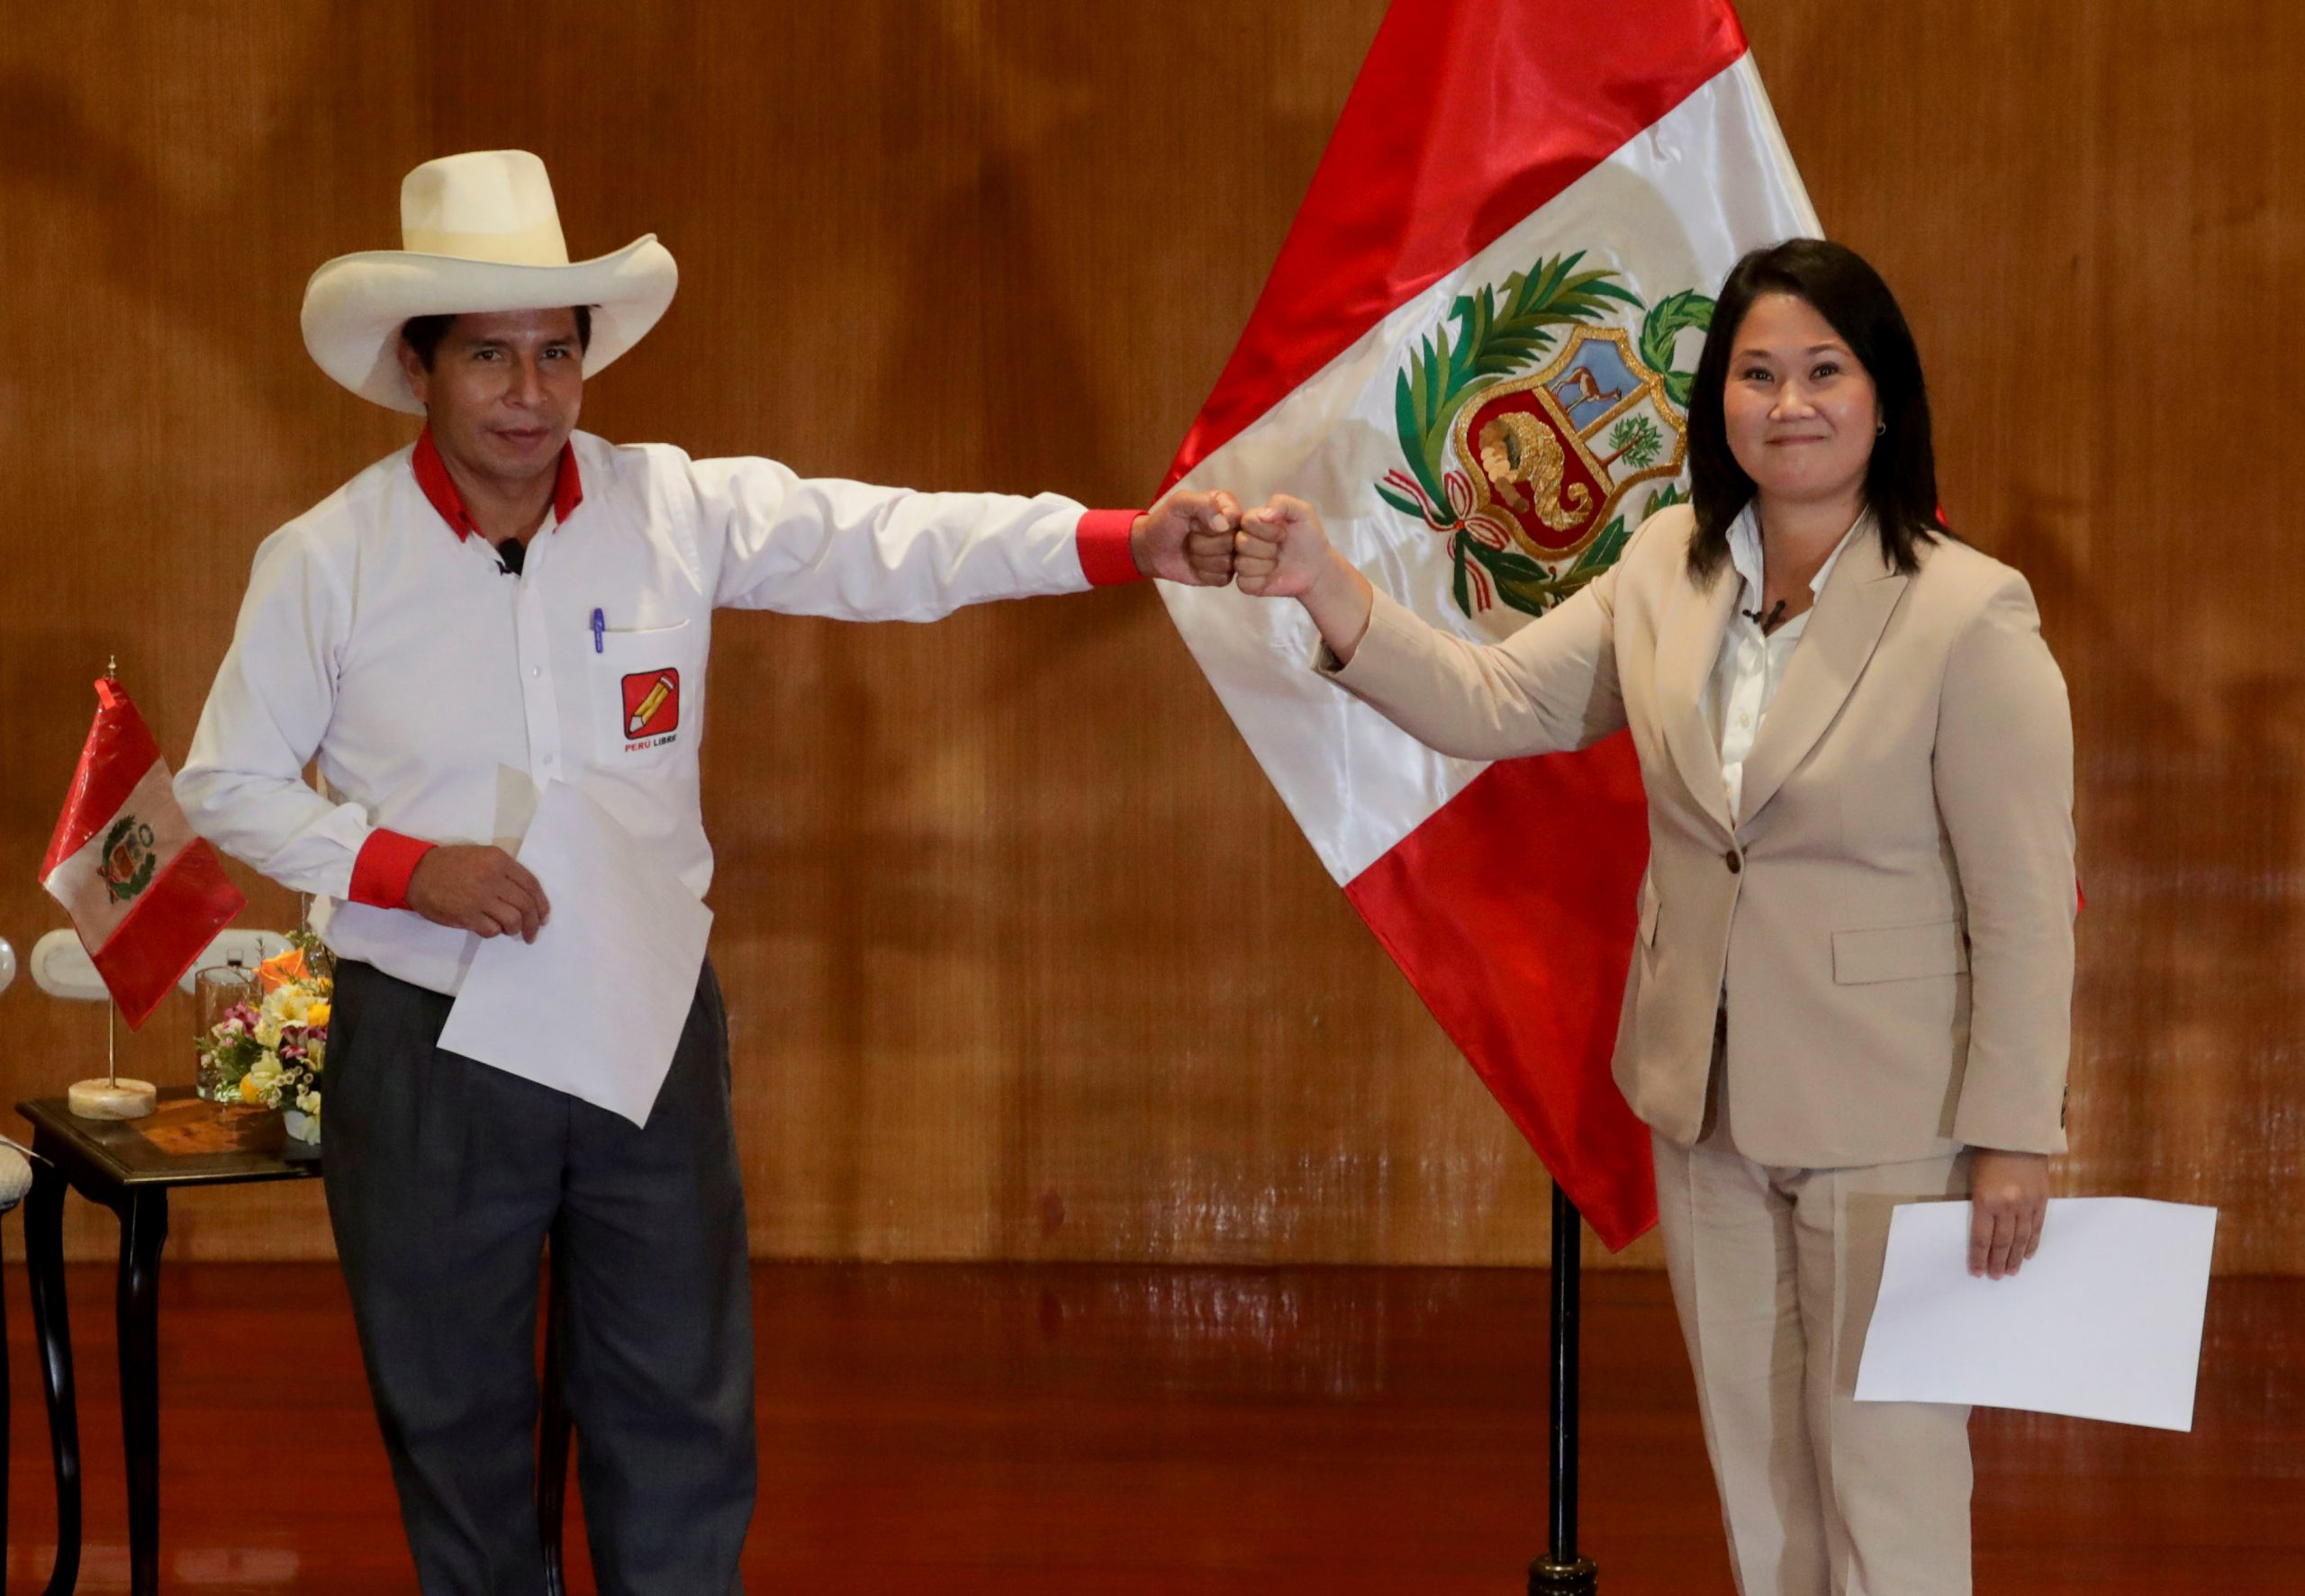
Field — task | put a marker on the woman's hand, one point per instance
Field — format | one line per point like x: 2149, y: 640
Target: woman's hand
x: 2009, y: 1198
x: 1283, y: 552
x: 1281, y: 549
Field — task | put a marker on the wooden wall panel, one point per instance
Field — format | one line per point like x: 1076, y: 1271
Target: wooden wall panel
x: 1024, y: 959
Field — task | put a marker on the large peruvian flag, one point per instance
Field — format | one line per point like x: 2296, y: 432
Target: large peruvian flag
x: 144, y: 892
x: 1474, y: 355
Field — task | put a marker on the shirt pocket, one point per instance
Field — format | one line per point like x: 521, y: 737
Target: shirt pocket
x: 1900, y: 952
x: 646, y: 699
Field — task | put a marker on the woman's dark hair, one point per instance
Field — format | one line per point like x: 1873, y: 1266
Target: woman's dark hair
x: 424, y: 333
x: 1900, y: 479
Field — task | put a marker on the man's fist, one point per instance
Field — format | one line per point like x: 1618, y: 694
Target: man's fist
x: 480, y: 888
x: 1281, y: 550
x: 1187, y: 538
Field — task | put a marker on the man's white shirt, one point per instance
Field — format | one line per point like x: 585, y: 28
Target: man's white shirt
x: 438, y: 693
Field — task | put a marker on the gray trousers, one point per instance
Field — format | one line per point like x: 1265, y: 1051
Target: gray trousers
x: 445, y: 1177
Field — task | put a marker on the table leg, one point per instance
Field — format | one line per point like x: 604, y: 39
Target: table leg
x: 52, y: 1326
x: 143, y: 1230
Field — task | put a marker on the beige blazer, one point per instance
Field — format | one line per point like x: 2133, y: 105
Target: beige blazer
x: 1891, y: 915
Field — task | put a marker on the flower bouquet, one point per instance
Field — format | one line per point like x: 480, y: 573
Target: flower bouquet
x: 270, y: 1053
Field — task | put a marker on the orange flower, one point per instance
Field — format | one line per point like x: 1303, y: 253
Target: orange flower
x: 281, y: 969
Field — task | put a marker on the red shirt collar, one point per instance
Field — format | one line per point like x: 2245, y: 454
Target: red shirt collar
x: 440, y: 488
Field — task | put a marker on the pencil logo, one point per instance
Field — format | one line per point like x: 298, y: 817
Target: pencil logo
x: 652, y: 703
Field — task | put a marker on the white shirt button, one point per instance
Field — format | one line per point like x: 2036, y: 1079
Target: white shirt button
x: 1744, y: 720
x: 535, y: 670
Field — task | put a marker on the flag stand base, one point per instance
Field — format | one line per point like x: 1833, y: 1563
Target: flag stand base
x: 111, y: 1099
x: 1577, y: 1577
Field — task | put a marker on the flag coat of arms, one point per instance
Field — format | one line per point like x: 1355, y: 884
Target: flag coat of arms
x: 145, y: 894
x: 1475, y: 356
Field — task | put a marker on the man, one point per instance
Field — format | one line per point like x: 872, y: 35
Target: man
x: 506, y: 603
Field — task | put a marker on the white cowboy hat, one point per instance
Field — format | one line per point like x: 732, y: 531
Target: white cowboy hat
x: 479, y: 232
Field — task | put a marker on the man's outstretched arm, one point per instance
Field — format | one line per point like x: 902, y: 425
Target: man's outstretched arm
x: 853, y: 551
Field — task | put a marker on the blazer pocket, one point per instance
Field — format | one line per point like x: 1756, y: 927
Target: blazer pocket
x: 1900, y: 952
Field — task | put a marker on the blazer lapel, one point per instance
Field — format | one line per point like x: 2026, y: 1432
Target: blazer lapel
x: 1691, y: 626
x: 1844, y: 628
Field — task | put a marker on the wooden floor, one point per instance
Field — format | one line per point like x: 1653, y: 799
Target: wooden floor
x: 948, y: 1431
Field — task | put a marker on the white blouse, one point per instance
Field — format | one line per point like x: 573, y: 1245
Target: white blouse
x: 1750, y: 665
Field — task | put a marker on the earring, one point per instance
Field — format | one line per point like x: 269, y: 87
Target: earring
x: 1880, y: 429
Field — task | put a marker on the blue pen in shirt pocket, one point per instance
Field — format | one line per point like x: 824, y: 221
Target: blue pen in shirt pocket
x: 637, y: 673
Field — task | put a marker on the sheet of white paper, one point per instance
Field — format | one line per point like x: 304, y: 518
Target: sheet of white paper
x: 2103, y: 1322
x: 594, y: 1006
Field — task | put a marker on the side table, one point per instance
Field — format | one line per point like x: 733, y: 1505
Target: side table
x: 130, y: 1167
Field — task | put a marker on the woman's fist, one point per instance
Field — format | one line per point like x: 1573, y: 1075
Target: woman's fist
x: 1281, y: 550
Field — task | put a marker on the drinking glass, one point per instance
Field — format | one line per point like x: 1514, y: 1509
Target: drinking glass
x: 215, y: 992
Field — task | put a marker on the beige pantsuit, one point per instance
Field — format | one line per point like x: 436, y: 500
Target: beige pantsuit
x: 1887, y: 921
x: 1774, y: 1270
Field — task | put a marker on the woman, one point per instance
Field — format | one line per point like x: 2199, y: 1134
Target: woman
x: 1854, y: 974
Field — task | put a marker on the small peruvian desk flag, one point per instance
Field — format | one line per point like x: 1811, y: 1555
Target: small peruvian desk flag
x: 1476, y: 356
x: 145, y: 894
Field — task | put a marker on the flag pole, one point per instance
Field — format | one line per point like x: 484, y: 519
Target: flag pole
x: 111, y: 1098
x: 1561, y: 1571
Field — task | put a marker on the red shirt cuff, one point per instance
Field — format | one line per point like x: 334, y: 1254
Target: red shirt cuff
x: 380, y: 871
x: 1106, y: 557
